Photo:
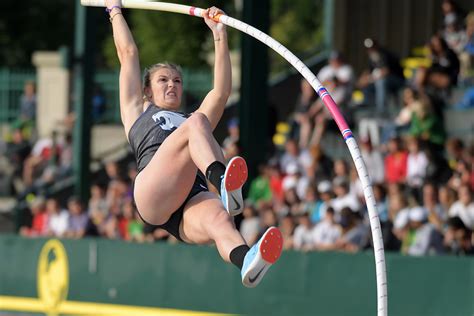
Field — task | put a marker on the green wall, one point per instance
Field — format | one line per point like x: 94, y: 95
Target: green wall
x: 195, y: 278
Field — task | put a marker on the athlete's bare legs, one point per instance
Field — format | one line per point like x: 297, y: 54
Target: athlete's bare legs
x: 164, y: 184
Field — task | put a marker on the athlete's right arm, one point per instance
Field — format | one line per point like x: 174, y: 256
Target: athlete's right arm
x: 131, y: 100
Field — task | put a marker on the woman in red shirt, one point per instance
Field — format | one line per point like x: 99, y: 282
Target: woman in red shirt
x: 395, y: 162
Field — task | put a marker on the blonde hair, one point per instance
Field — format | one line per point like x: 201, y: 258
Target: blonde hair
x: 153, y: 68
x: 470, y: 18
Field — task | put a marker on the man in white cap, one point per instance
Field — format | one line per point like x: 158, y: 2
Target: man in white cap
x: 426, y: 239
x: 324, y: 201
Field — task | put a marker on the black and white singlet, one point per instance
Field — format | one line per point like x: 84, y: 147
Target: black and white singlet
x: 150, y: 130
x: 146, y: 135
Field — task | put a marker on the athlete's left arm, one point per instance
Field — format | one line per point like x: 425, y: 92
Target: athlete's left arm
x: 215, y: 101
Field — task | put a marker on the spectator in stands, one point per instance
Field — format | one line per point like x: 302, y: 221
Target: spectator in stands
x: 393, y: 204
x: 301, y: 126
x: 260, y: 186
x: 28, y: 103
x: 231, y: 150
x: 455, y: 151
x: 321, y: 117
x: 462, y: 175
x: 423, y: 238
x: 466, y: 57
x: 401, y: 124
x: 354, y: 234
x: 324, y: 201
x: 355, y: 185
x: 397, y: 206
x: 291, y: 203
x: 326, y: 232
x: 451, y: 12
x: 135, y: 227
x: 417, y: 163
x: 443, y: 72
x: 97, y: 199
x: 410, y: 96
x: 124, y: 218
x: 373, y: 160
x: 50, y: 160
x: 467, y: 100
x: 6, y: 173
x: 110, y: 227
x: 458, y: 238
x: 65, y: 157
x: 341, y: 169
x: 17, y: 152
x: 117, y: 192
x: 58, y: 218
x: 447, y: 197
x: 112, y: 170
x: 310, y: 204
x: 303, y: 237
x: 436, y: 214
x: 132, y: 171
x: 276, y: 181
x: 98, y: 104
x: 296, y: 179
x: 467, y: 173
x: 343, y: 174
x: 78, y: 219
x: 343, y: 199
x: 294, y: 155
x: 338, y: 78
x: 43, y: 152
x: 51, y: 171
x: 287, y: 228
x: 384, y: 77
x: 268, y: 218
x: 395, y: 162
x: 39, y: 224
x: 321, y: 166
x: 438, y: 170
x: 233, y: 133
x: 381, y: 200
x: 231, y: 142
x: 464, y: 207
x: 454, y: 34
x: 400, y: 211
x: 391, y: 242
x: 426, y: 124
x: 395, y: 188
x: 249, y: 227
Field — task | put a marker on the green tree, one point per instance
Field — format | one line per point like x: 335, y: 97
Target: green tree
x: 163, y: 36
x: 27, y: 26
x: 297, y: 25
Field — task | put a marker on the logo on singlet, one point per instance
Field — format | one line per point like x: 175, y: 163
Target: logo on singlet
x: 167, y: 120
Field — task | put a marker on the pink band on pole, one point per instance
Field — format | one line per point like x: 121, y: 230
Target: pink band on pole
x: 332, y: 107
x: 191, y: 10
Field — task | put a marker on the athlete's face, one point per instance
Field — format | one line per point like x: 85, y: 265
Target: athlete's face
x: 166, y: 88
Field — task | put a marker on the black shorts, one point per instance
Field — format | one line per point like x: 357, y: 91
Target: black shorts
x: 172, y: 225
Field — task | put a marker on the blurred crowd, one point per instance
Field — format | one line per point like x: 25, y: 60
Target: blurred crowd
x: 423, y: 181
x: 110, y: 212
